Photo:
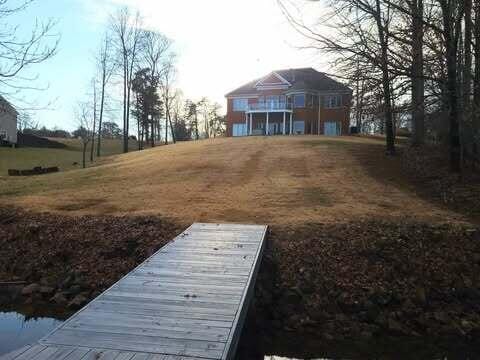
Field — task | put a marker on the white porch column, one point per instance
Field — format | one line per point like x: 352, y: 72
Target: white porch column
x: 251, y: 120
x: 291, y: 124
x: 246, y: 123
x: 284, y: 116
x: 266, y: 129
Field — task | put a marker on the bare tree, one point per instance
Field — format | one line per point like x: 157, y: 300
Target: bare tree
x: 94, y: 116
x: 157, y: 57
x: 363, y: 32
x: 128, y: 36
x: 106, y: 66
x: 18, y: 53
x: 25, y: 121
x: 83, y: 116
x: 167, y: 77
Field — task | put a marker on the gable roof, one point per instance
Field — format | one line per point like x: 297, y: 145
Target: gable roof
x: 272, y: 79
x: 6, y: 105
x: 299, y: 79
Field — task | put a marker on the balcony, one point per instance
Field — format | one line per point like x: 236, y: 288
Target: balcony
x: 269, y: 107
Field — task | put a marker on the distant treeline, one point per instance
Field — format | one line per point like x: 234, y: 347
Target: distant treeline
x: 110, y: 130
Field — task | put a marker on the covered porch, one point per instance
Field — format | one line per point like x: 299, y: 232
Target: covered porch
x: 262, y: 122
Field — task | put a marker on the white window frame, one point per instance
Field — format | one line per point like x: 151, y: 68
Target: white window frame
x: 3, y: 134
x: 240, y: 104
x: 333, y: 101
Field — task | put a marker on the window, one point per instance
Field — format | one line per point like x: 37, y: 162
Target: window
x: 309, y: 100
x: 289, y: 102
x: 240, y: 104
x: 272, y: 101
x: 239, y: 130
x: 3, y: 134
x: 333, y: 101
x: 299, y: 127
x: 299, y: 100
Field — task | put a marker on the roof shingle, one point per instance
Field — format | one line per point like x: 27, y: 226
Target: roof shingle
x: 301, y: 79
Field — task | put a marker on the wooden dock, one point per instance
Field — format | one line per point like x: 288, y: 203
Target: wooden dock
x: 187, y: 301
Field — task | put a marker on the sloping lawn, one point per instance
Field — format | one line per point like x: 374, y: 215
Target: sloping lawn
x: 66, y: 159
x: 275, y: 180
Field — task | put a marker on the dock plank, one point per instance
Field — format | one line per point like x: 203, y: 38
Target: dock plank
x: 186, y: 302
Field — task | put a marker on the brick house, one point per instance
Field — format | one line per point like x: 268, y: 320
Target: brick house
x: 287, y: 102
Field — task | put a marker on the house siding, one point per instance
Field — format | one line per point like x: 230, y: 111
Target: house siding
x: 8, y: 122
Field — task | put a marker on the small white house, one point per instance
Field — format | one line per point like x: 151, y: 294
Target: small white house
x: 8, y: 122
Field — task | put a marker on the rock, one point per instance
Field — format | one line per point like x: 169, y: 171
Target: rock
x: 69, y: 280
x: 30, y: 289
x: 59, y: 299
x: 328, y: 337
x: 74, y: 290
x: 44, y: 281
x: 46, y: 290
x: 78, y: 301
x: 366, y: 335
x: 441, y: 316
x: 420, y: 295
x: 395, y: 326
x: 307, y: 287
x: 381, y: 298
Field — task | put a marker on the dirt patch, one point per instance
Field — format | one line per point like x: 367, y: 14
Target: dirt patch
x: 81, y: 204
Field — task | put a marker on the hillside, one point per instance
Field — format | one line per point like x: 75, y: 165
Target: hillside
x: 66, y: 158
x: 276, y: 180
x: 355, y: 250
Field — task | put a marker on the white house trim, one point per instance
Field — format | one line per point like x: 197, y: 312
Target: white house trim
x: 283, y: 81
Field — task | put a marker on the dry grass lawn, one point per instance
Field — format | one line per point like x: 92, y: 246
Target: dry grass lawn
x: 66, y: 159
x: 275, y: 180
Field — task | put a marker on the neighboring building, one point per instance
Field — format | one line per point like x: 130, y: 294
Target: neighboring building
x: 287, y: 102
x: 8, y: 122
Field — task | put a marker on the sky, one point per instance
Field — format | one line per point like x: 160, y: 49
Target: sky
x: 220, y: 45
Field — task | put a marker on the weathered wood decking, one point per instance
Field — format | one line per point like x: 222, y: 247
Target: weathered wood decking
x: 188, y: 301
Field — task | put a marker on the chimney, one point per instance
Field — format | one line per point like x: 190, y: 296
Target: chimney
x: 292, y: 71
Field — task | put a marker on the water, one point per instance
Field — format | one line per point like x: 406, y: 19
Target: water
x: 17, y: 330
x: 26, y: 326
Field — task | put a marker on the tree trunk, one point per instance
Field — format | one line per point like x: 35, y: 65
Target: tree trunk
x: 84, y: 154
x: 476, y: 84
x: 386, y: 87
x: 92, y: 148
x: 125, y: 124
x: 166, y: 130
x: 418, y: 82
x: 452, y: 94
x: 100, y: 120
x: 152, y: 137
x: 128, y: 114
x: 167, y: 114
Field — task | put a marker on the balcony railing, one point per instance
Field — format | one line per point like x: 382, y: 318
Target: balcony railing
x: 266, y: 106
